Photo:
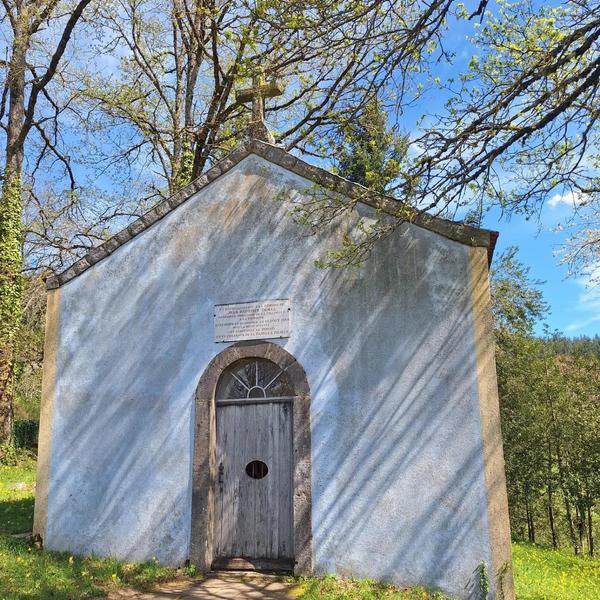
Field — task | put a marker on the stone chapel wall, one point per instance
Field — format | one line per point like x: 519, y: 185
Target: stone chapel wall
x: 389, y: 350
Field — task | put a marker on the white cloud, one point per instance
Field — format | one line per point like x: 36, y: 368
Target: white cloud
x: 588, y: 302
x: 569, y: 198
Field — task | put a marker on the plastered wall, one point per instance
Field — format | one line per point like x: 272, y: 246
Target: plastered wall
x: 398, y: 486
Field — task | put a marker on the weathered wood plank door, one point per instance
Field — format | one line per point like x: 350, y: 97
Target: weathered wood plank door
x: 253, y: 495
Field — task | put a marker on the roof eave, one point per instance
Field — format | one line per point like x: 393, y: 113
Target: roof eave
x: 464, y: 234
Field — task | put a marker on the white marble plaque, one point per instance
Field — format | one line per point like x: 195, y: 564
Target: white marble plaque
x: 252, y: 320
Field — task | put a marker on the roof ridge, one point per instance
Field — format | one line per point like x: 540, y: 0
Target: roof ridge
x: 459, y: 232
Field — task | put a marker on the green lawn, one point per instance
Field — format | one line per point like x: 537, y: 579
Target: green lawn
x: 17, y: 486
x: 27, y: 572
x: 331, y: 588
x: 546, y: 574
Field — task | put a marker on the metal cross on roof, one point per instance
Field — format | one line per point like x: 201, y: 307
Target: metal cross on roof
x: 257, y: 128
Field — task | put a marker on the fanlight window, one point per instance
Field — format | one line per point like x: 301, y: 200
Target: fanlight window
x: 253, y: 378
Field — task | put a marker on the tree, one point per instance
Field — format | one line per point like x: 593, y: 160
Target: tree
x: 581, y: 252
x: 580, y: 433
x: 525, y: 107
x: 550, y: 406
x: 369, y: 152
x: 25, y: 82
x: 171, y: 104
x: 520, y: 124
x: 519, y: 383
x: 517, y: 301
x: 517, y: 305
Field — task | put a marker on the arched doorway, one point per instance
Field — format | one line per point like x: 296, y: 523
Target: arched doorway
x: 251, y: 494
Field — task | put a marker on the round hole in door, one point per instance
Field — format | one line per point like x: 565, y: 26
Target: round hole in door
x: 256, y: 469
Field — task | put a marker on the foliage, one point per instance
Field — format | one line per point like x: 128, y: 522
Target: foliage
x: 581, y: 251
x: 578, y: 346
x: 29, y: 345
x: 10, y: 294
x: 369, y: 152
x: 17, y: 487
x: 517, y: 303
x: 551, y: 424
x: 332, y: 588
x: 521, y: 124
x: 545, y: 574
x: 148, y: 101
x: 25, y: 36
x: 10, y: 258
x: 25, y: 433
x: 8, y: 453
x: 172, y: 95
x: 484, y: 580
x: 550, y: 408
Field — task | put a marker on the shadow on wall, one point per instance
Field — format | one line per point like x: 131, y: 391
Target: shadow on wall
x: 398, y: 491
x: 403, y: 497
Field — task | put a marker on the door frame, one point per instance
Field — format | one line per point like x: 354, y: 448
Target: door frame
x: 204, y: 473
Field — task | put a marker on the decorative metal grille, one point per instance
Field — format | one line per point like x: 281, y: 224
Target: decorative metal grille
x: 253, y: 378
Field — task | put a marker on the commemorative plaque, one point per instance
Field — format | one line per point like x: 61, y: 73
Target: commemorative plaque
x: 263, y: 319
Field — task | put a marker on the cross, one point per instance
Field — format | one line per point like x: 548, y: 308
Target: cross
x: 257, y: 128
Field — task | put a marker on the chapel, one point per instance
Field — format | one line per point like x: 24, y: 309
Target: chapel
x: 212, y: 395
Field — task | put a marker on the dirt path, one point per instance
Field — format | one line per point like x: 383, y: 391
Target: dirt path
x: 219, y: 586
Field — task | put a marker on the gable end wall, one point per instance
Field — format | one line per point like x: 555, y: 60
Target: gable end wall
x: 398, y: 463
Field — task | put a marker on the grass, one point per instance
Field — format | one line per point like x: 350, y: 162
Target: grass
x: 17, y: 486
x: 546, y: 574
x: 26, y: 572
x: 332, y: 588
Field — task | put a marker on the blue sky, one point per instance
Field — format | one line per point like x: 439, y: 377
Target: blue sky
x: 574, y: 306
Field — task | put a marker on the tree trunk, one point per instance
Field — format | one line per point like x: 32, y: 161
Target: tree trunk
x: 570, y: 523
x: 556, y: 439
x: 530, y: 523
x: 11, y: 285
x: 550, y: 500
x: 590, y: 531
x: 561, y: 479
x: 551, y: 518
x: 580, y: 514
x: 25, y: 19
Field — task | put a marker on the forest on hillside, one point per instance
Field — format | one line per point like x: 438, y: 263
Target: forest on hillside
x: 549, y: 388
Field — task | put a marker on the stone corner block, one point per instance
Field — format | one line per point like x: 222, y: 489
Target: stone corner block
x: 52, y: 282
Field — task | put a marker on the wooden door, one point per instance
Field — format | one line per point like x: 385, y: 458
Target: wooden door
x: 254, y: 485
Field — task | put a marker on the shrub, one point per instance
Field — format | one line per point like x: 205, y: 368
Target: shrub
x: 13, y: 456
x: 25, y: 434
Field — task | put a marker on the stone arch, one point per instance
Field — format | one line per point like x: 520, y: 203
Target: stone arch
x: 204, y: 466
